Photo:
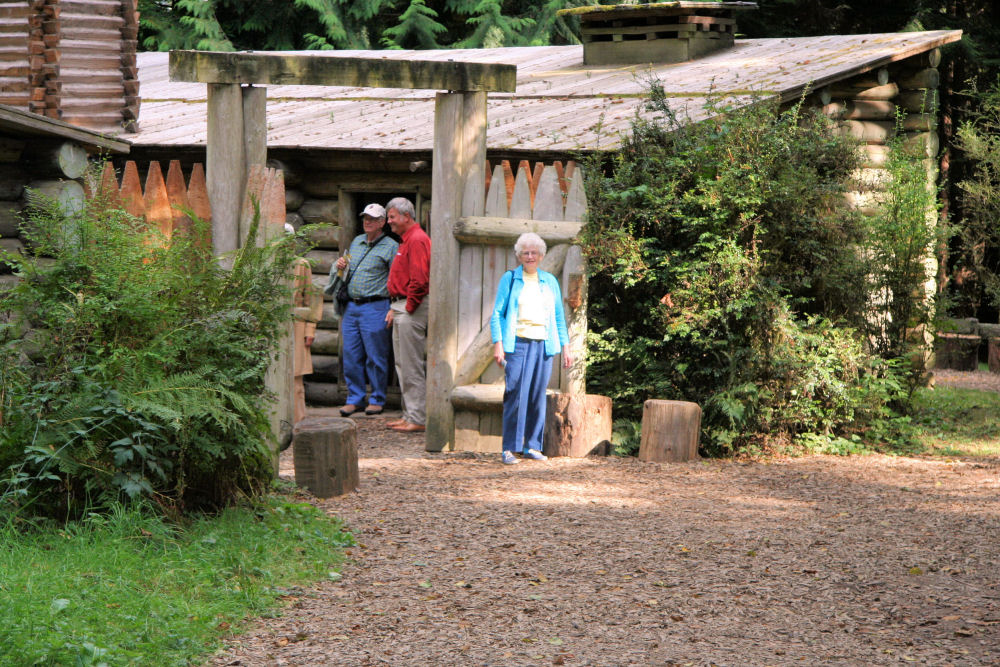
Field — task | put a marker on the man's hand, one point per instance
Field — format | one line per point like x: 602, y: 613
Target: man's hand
x: 341, y: 263
x: 498, y: 354
x: 388, y: 319
x: 309, y: 340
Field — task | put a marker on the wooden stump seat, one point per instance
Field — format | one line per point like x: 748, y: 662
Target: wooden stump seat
x: 670, y: 431
x: 577, y: 424
x: 325, y: 451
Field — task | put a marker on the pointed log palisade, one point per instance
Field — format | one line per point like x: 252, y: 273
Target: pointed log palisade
x: 476, y: 216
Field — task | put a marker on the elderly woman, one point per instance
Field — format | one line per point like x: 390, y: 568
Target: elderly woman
x: 528, y: 329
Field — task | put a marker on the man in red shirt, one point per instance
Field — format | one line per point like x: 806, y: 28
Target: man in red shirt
x: 409, y: 280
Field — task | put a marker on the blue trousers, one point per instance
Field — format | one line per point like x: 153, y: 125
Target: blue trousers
x: 367, y: 344
x: 526, y: 377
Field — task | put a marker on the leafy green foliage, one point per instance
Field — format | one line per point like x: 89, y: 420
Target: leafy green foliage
x: 730, y: 273
x: 225, y: 25
x: 128, y: 588
x: 979, y: 139
x: 132, y: 367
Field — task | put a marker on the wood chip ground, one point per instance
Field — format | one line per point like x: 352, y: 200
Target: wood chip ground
x: 868, y: 560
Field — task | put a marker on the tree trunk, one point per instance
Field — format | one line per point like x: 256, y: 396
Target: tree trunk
x: 670, y: 431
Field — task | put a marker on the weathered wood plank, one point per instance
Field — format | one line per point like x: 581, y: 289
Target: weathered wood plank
x: 453, y: 146
x: 504, y: 231
x: 326, y: 70
x: 574, y: 285
x: 226, y: 164
x: 548, y: 196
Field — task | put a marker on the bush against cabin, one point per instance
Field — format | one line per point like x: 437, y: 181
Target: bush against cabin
x: 728, y: 272
x: 131, y: 367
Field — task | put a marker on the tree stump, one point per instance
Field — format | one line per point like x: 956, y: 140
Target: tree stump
x: 670, y: 431
x: 957, y: 351
x: 994, y: 358
x: 325, y: 451
x: 577, y: 424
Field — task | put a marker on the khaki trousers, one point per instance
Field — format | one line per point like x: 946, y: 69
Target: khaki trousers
x: 409, y: 344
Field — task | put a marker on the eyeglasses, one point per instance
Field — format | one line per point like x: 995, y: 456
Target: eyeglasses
x: 530, y: 253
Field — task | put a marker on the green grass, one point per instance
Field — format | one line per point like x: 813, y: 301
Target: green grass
x: 130, y: 589
x: 958, y: 422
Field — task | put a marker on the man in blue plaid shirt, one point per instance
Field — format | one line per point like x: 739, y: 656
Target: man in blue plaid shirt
x: 367, y: 341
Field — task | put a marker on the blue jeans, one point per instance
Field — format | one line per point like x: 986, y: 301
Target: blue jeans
x: 366, y: 344
x: 526, y: 378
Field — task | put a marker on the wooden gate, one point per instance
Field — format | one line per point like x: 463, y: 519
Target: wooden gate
x: 549, y: 201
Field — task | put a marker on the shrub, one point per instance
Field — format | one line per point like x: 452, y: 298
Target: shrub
x: 727, y: 271
x: 134, y: 367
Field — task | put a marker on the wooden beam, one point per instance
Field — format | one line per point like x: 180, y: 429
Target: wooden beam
x: 504, y: 231
x: 329, y: 70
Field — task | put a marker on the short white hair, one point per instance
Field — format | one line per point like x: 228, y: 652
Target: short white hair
x: 403, y: 206
x: 529, y: 240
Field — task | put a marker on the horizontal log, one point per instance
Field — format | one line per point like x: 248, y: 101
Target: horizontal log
x: 330, y: 319
x: 867, y: 130
x: 873, y: 155
x: 477, y: 397
x: 293, y: 199
x: 919, y: 122
x: 327, y: 70
x: 326, y: 237
x: 330, y: 393
x: 322, y: 260
x: 67, y: 194
x: 922, y: 144
x: 924, y: 78
x: 500, y: 231
x: 919, y: 101
x: 326, y: 342
x: 323, y: 184
x: 323, y: 211
x: 294, y: 219
x: 840, y: 90
x: 325, y: 366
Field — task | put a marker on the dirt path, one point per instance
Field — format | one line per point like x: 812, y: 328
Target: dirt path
x: 821, y: 560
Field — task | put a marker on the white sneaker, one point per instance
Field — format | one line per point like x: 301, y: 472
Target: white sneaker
x: 535, y: 454
x: 507, y: 458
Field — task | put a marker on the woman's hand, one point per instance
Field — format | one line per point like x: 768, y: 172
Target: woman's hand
x: 498, y: 354
x: 567, y: 358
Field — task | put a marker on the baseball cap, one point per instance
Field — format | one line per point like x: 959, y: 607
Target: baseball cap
x: 374, y: 210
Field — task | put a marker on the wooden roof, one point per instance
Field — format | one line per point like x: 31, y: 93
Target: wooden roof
x: 560, y: 105
x: 19, y: 122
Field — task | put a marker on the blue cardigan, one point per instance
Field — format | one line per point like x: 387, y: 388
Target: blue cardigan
x: 504, y: 319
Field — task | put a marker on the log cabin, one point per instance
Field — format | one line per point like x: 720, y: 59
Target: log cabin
x: 341, y: 147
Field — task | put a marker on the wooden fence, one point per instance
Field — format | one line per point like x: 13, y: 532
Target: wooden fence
x: 164, y: 201
x: 548, y: 200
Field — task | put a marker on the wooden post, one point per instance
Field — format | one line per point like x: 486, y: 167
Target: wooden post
x: 670, y: 431
x: 225, y: 163
x: 994, y: 355
x: 254, y: 128
x: 325, y: 451
x: 458, y: 176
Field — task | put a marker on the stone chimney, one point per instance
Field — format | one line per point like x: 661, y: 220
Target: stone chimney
x: 659, y: 32
x: 73, y: 60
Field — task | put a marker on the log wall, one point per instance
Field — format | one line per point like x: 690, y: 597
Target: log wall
x: 73, y: 60
x: 32, y: 167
